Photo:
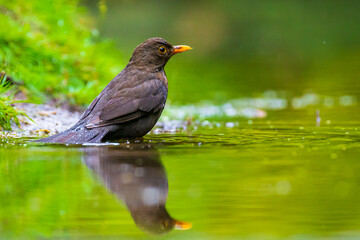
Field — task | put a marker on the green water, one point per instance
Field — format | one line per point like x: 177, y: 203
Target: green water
x: 278, y: 178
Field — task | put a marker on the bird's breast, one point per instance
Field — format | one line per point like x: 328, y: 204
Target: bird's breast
x: 162, y: 77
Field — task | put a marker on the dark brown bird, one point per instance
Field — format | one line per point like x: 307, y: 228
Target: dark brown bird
x: 131, y: 104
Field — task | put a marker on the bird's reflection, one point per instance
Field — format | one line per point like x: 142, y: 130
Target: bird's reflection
x: 138, y: 178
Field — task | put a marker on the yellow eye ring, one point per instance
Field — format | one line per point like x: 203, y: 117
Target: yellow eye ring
x: 162, y: 49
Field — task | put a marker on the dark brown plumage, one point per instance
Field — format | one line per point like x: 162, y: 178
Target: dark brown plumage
x: 130, y: 105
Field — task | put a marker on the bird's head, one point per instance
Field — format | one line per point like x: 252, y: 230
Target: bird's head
x: 157, y: 221
x: 155, y: 52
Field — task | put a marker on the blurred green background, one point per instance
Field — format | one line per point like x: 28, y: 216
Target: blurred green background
x: 242, y: 48
x: 69, y: 50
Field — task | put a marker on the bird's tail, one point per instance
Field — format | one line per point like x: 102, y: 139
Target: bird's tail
x: 76, y: 136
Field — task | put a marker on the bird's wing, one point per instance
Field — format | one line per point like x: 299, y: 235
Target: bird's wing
x: 132, y: 103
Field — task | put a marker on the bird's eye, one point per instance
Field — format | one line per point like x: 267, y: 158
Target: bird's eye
x: 164, y: 225
x: 162, y: 49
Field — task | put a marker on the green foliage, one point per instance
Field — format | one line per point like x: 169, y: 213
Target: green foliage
x: 51, y: 47
x: 8, y: 114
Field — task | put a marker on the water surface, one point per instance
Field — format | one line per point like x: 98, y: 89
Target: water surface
x: 264, y: 179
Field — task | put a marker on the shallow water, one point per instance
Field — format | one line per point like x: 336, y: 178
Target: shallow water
x: 263, y: 179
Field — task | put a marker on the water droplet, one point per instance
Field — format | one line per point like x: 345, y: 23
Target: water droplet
x: 283, y: 187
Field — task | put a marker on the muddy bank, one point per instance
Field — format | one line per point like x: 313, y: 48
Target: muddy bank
x: 47, y: 120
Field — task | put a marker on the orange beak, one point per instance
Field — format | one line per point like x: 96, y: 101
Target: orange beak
x: 181, y: 48
x: 182, y: 225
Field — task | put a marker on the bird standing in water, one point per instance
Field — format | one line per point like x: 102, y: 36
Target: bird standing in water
x: 131, y: 104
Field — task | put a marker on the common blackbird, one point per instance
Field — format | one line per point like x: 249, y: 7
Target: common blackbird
x: 138, y: 178
x: 130, y: 105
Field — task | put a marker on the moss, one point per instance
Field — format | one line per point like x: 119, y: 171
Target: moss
x: 52, y: 48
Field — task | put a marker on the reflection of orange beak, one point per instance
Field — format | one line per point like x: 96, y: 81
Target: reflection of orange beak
x: 182, y: 225
x: 181, y: 48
